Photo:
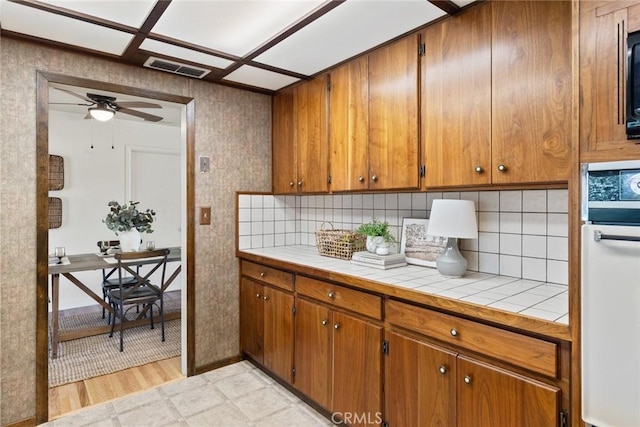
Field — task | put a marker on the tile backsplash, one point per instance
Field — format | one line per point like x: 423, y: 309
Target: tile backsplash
x: 521, y: 233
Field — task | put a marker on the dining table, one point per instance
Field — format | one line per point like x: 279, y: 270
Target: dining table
x: 68, y: 265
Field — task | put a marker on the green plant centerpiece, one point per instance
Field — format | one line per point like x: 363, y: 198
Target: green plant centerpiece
x: 377, y: 233
x: 128, y: 221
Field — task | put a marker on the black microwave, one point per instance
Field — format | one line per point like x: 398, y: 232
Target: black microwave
x: 633, y: 86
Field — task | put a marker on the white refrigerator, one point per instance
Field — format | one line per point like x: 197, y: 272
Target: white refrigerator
x: 610, y: 322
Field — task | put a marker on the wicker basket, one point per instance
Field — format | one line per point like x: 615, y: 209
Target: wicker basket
x: 338, y: 243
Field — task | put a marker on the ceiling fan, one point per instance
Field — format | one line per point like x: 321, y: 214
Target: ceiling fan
x: 103, y: 108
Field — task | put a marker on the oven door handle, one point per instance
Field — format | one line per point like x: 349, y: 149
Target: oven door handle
x: 598, y: 236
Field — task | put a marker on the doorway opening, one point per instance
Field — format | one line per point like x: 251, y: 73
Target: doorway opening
x: 137, y: 157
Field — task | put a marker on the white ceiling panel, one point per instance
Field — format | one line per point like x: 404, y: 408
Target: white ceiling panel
x: 297, y: 38
x: 258, y: 77
x: 183, y: 53
x: 27, y: 20
x: 132, y: 13
x: 235, y: 27
x: 351, y: 28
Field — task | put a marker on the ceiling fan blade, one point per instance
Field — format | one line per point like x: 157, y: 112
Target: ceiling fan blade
x: 146, y: 116
x: 70, y: 103
x: 137, y: 104
x: 77, y: 95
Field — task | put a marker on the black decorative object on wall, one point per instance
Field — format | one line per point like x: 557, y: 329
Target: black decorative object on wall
x: 55, y: 212
x: 56, y: 172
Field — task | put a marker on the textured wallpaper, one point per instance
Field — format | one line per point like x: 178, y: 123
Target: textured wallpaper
x: 232, y: 127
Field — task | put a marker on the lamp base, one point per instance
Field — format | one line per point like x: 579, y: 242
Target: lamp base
x: 451, y: 263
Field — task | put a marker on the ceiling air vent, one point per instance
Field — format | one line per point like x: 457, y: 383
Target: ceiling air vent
x: 176, y: 67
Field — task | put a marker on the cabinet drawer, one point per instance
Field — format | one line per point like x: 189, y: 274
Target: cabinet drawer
x: 272, y: 276
x: 521, y: 350
x: 339, y: 296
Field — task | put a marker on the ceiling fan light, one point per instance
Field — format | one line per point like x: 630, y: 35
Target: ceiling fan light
x: 101, y: 113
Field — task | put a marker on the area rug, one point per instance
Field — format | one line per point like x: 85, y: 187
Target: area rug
x: 89, y: 357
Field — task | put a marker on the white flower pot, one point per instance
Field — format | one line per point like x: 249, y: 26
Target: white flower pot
x: 129, y: 240
x: 373, y: 242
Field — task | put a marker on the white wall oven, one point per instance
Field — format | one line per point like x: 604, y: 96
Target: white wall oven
x: 610, y: 319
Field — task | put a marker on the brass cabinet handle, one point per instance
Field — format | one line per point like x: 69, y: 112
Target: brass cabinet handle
x: 266, y: 297
x: 300, y: 183
x: 331, y: 294
x: 502, y: 168
x: 291, y: 184
x: 478, y: 169
x: 262, y: 274
x: 361, y: 178
x: 467, y: 379
x: 324, y: 322
x: 374, y: 178
x: 442, y: 369
x: 454, y: 332
x: 336, y: 326
x: 257, y: 295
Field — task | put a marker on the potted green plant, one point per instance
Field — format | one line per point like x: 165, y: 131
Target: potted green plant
x: 127, y: 221
x: 378, y: 236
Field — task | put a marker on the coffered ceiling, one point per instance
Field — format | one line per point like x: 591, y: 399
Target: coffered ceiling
x: 259, y: 45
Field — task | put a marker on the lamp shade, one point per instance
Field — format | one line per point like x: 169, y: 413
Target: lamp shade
x: 453, y: 218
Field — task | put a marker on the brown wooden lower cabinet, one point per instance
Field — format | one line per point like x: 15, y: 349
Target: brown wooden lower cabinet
x: 329, y: 346
x: 338, y: 363
x: 266, y: 326
x: 430, y: 386
x: 490, y: 396
x: 419, y: 384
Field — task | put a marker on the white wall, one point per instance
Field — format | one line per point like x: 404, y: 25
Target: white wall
x: 94, y: 176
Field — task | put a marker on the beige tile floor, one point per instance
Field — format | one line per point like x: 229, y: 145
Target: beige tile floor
x: 235, y: 395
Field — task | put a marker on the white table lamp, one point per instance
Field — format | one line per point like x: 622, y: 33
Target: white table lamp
x: 454, y: 219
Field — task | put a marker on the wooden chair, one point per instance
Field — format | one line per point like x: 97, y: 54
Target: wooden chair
x: 142, y: 292
x: 108, y: 282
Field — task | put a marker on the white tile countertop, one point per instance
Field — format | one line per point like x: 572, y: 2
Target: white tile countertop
x: 545, y: 301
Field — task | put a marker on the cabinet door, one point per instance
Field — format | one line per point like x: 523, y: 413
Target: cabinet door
x: 349, y: 126
x: 313, y: 351
x: 357, y: 375
x: 284, y: 149
x: 489, y: 396
x: 251, y: 318
x: 419, y: 384
x: 311, y: 135
x: 456, y: 103
x: 393, y: 116
x: 603, y: 34
x: 532, y: 87
x: 278, y: 332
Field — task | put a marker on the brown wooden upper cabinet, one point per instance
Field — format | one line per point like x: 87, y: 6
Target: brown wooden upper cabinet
x: 496, y: 95
x: 604, y: 26
x: 373, y: 120
x: 394, y: 146
x: 300, y: 140
x: 456, y: 100
x: 349, y: 126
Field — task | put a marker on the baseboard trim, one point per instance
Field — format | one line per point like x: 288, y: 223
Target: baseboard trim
x: 29, y: 422
x: 219, y: 364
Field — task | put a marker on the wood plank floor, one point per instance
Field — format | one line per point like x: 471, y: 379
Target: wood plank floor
x: 71, y: 397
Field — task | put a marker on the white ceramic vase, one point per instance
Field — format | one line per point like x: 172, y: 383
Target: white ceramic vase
x: 129, y: 240
x: 373, y: 242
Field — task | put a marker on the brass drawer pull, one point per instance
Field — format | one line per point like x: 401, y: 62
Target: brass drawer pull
x: 454, y: 332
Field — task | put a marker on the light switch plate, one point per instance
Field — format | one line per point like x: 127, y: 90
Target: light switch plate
x: 205, y: 215
x: 204, y: 164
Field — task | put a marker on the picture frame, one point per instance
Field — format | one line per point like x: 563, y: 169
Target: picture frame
x: 418, y: 247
